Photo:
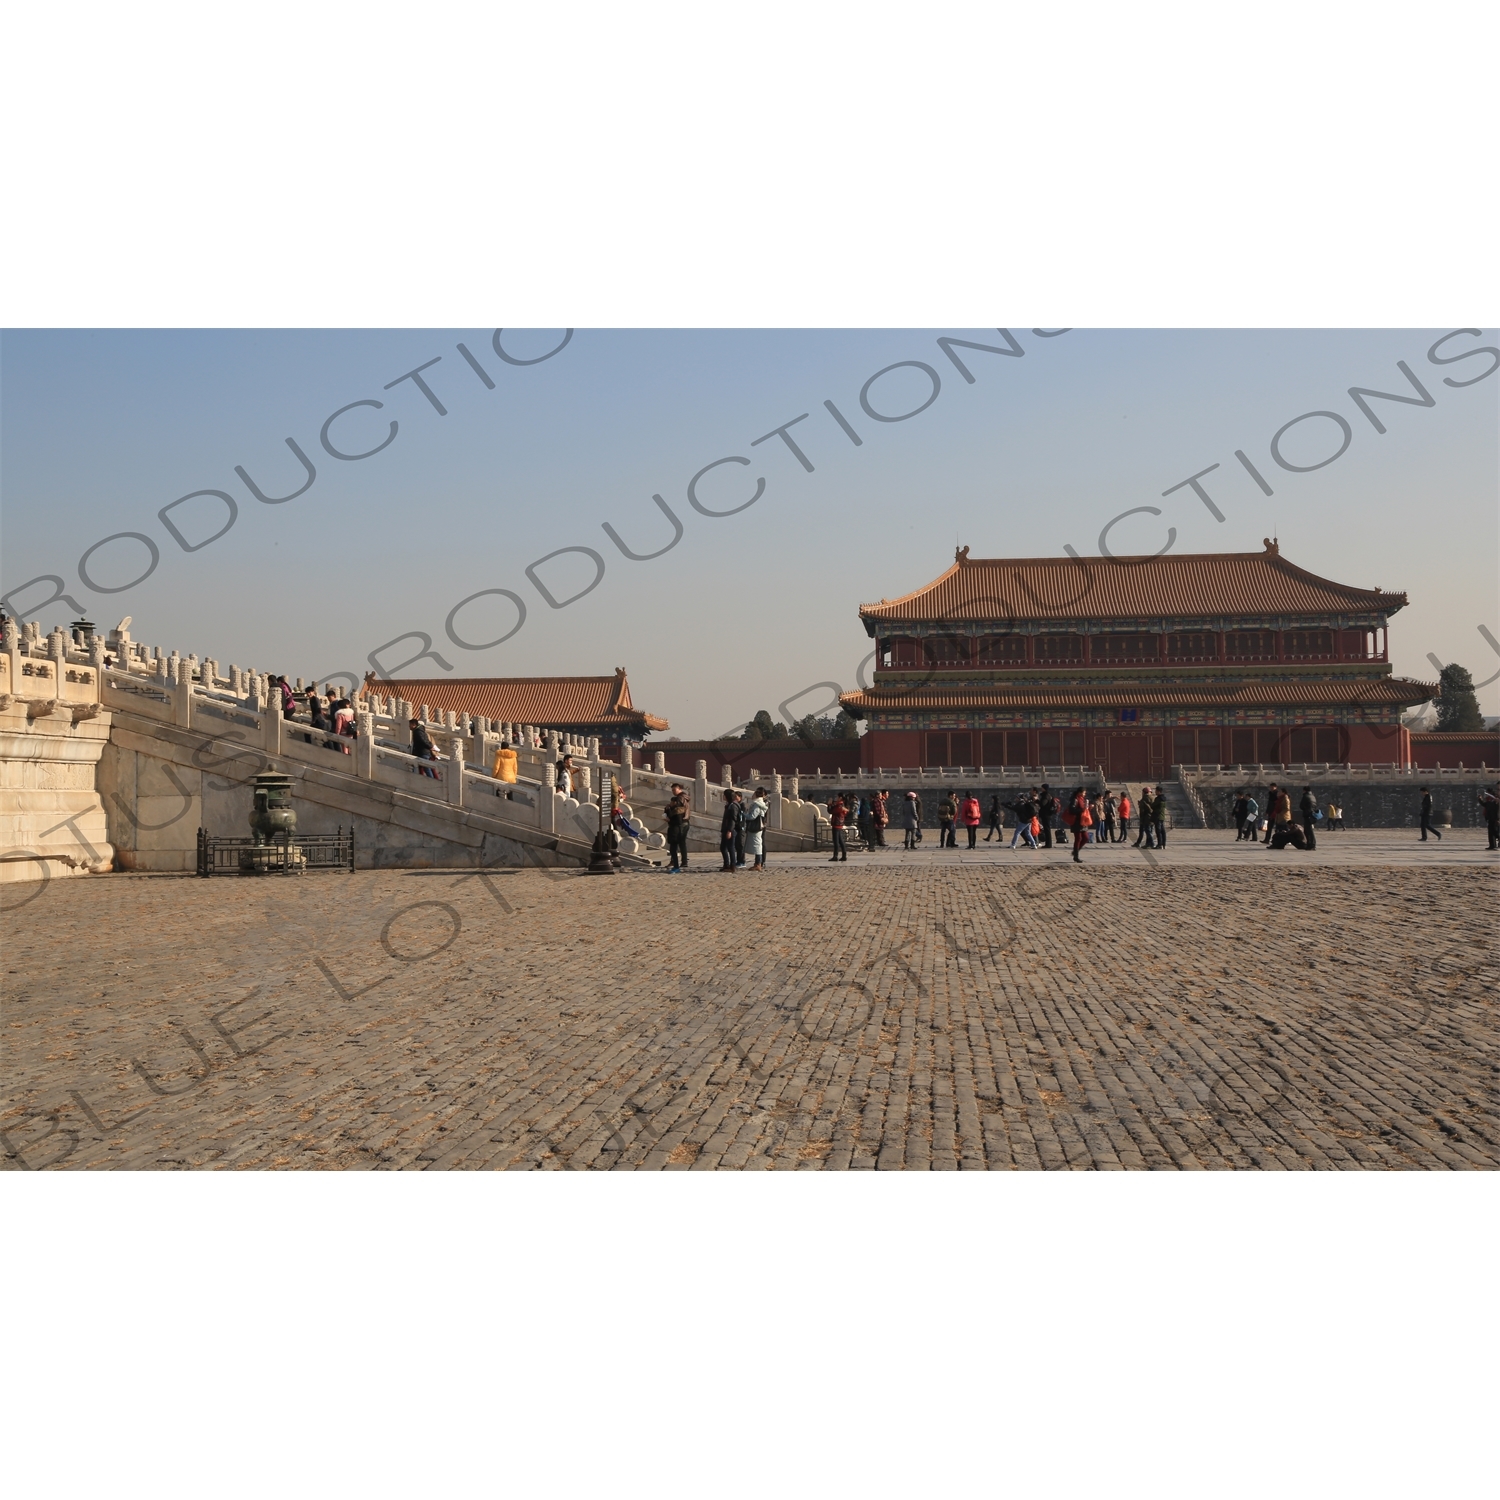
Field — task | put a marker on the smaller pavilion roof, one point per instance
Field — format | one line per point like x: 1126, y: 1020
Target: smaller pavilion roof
x: 546, y: 702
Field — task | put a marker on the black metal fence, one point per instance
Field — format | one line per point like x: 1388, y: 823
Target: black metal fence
x: 285, y: 855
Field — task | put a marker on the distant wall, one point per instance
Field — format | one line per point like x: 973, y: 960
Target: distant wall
x: 783, y: 755
x: 1439, y: 749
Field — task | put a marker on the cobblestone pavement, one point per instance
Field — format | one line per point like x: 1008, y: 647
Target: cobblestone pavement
x: 877, y: 1015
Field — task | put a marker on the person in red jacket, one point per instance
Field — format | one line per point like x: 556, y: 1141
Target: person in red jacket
x: 970, y: 816
x: 1080, y: 820
x: 838, y: 813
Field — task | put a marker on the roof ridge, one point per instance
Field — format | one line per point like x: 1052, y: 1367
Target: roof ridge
x: 1068, y: 558
x: 584, y: 677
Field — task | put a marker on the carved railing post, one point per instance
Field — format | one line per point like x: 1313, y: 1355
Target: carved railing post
x: 453, y: 769
x: 550, y: 799
x: 364, y: 749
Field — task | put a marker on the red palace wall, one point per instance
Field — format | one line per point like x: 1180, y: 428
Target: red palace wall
x: 1438, y: 749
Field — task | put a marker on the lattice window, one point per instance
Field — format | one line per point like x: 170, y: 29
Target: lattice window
x: 1002, y: 650
x: 1250, y: 644
x: 1124, y: 648
x: 1309, y: 642
x: 1059, y: 648
x: 1193, y: 645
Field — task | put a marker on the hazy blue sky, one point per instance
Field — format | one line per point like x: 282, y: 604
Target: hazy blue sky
x: 101, y: 430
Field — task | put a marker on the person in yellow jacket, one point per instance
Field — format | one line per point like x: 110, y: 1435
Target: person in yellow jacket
x: 506, y: 762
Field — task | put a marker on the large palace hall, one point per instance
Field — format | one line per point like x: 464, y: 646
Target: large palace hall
x: 1134, y: 664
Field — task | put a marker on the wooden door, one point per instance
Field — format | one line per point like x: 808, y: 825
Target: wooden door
x: 1333, y: 745
x: 1127, y: 757
x: 1156, y: 749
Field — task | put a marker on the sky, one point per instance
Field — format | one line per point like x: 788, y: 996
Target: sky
x: 99, y: 431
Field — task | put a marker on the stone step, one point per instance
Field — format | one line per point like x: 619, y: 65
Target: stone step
x: 1181, y: 812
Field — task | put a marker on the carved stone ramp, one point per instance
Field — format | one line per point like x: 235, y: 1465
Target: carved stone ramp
x: 160, y: 782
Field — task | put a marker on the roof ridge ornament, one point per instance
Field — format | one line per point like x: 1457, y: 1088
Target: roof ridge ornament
x: 1273, y: 546
x: 960, y: 554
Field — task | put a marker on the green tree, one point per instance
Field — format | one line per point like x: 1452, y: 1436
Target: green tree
x: 809, y: 730
x: 1458, y: 708
x: 845, y: 728
x: 764, y: 727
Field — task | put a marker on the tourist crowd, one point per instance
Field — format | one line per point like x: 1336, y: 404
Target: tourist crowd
x: 1040, y: 818
x: 331, y: 713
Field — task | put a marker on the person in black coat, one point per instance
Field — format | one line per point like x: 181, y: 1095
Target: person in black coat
x: 1489, y: 805
x: 1046, y: 810
x: 729, y: 826
x: 1427, y: 817
x: 421, y: 746
x: 1309, y: 817
x: 994, y: 829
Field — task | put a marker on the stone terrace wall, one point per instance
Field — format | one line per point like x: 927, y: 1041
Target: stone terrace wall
x: 1373, y: 801
x: 52, y: 822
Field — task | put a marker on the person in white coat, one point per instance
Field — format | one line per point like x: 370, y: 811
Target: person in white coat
x: 756, y: 812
